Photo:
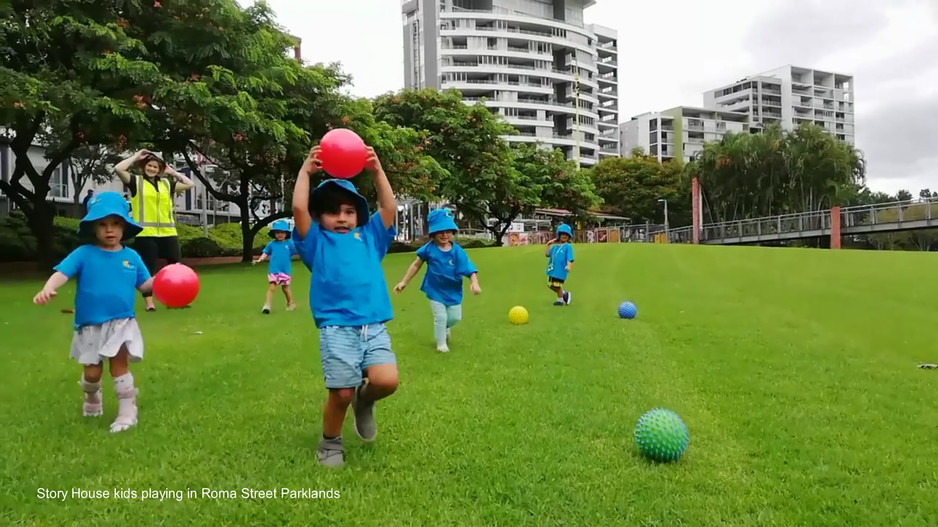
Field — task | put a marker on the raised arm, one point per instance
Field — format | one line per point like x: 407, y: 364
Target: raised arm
x: 123, y: 168
x: 387, y: 203
x: 183, y: 183
x: 549, y: 244
x: 301, y: 216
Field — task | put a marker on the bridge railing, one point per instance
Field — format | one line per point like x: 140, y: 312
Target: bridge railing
x: 820, y: 220
x: 892, y: 212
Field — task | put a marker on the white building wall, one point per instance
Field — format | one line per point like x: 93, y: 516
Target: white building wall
x: 525, y: 63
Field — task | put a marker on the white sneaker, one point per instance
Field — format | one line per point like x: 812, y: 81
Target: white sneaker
x: 291, y: 307
x: 442, y: 348
x: 266, y: 310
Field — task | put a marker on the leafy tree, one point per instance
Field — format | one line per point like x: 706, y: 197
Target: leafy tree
x: 632, y: 186
x: 93, y: 163
x: 557, y: 180
x: 485, y: 178
x: 777, y: 172
x: 70, y: 75
x: 479, y: 178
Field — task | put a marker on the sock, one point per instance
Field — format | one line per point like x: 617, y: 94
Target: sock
x: 124, y: 382
x: 90, y: 388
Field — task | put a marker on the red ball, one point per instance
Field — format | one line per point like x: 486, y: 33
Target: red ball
x: 343, y: 153
x: 176, y: 285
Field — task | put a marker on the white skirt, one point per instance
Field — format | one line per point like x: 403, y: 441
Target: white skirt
x: 93, y: 344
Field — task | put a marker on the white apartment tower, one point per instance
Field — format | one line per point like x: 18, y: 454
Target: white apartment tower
x: 534, y: 62
x: 791, y: 95
x: 679, y: 133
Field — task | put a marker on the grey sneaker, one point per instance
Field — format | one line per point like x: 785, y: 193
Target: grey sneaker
x: 365, y: 425
x: 331, y: 452
x: 567, y: 297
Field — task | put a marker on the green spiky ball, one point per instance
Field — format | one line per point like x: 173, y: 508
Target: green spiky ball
x: 661, y: 435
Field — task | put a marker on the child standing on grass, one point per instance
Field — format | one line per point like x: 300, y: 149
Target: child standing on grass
x: 109, y: 276
x: 560, y: 262
x: 280, y: 251
x: 447, y: 264
x: 343, y: 247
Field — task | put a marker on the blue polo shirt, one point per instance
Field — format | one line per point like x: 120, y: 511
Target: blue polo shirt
x: 560, y: 255
x: 281, y: 257
x: 107, y: 283
x: 347, y: 287
x: 443, y: 282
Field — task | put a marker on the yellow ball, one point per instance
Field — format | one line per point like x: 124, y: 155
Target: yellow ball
x: 518, y: 315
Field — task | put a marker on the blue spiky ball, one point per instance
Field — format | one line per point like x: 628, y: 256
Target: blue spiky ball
x: 661, y: 435
x: 628, y: 310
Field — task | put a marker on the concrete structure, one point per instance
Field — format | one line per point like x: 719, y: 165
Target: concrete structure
x: 534, y: 62
x: 679, y: 132
x: 791, y: 95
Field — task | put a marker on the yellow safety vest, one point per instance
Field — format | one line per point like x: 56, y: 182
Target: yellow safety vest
x: 153, y: 210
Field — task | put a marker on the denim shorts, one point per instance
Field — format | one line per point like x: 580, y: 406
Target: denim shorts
x: 348, y: 351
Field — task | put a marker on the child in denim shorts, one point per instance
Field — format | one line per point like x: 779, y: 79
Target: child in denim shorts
x: 343, y: 247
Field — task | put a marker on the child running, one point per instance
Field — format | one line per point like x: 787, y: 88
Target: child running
x: 280, y: 251
x: 559, y: 263
x: 109, y: 276
x: 447, y: 264
x: 343, y: 247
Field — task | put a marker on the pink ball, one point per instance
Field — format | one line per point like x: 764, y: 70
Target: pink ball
x: 343, y: 153
x: 176, y: 285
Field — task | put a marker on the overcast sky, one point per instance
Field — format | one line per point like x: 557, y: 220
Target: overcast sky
x: 671, y: 51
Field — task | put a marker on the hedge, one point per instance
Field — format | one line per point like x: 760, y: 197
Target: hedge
x: 17, y: 243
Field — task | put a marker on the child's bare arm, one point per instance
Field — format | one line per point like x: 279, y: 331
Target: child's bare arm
x: 387, y: 203
x: 50, y: 289
x: 411, y: 272
x: 146, y: 287
x: 301, y: 216
x: 549, y: 243
x: 261, y: 259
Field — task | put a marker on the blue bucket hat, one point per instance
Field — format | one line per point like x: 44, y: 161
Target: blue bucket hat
x: 281, y: 226
x: 361, y: 204
x: 108, y: 204
x: 442, y: 220
x: 564, y: 229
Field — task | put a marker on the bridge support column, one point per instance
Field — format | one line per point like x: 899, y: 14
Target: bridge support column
x: 696, y: 210
x: 835, y: 228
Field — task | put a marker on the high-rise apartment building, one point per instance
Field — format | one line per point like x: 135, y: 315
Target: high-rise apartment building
x: 678, y: 133
x: 534, y: 62
x: 791, y: 95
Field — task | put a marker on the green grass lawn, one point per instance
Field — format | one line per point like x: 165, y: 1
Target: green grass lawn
x: 795, y: 370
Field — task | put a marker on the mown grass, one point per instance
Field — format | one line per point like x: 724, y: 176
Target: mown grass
x: 795, y: 371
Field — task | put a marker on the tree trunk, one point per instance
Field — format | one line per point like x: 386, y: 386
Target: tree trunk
x: 247, y: 239
x: 40, y: 216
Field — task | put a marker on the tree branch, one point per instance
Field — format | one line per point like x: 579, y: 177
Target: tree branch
x: 256, y: 228
x: 224, y: 196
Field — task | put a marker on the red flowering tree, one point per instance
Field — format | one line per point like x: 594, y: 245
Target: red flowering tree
x: 70, y: 74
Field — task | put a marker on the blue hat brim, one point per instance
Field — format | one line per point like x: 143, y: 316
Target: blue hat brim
x: 565, y: 229
x: 273, y: 233
x: 361, y: 204
x: 444, y: 224
x: 86, y: 227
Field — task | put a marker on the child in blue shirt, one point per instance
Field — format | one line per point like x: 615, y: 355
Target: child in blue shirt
x: 447, y: 264
x: 559, y: 263
x: 109, y: 276
x: 280, y: 251
x: 343, y: 246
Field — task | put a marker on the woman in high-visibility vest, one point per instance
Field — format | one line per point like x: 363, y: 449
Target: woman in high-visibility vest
x: 151, y: 199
